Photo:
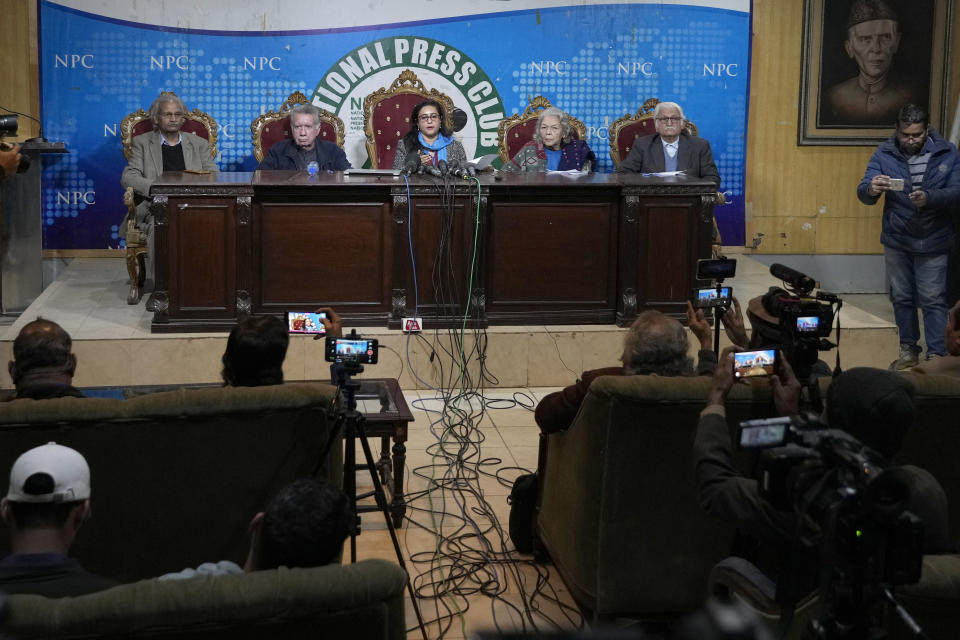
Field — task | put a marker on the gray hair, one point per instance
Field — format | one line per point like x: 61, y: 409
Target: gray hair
x: 307, y: 109
x: 656, y: 344
x: 663, y: 105
x: 164, y: 97
x: 566, y: 130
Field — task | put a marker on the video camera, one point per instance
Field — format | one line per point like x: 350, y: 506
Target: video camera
x: 806, y: 319
x: 849, y: 498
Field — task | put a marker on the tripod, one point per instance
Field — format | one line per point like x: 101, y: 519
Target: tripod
x: 352, y: 421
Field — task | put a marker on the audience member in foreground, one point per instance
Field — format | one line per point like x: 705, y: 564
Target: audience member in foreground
x: 257, y: 346
x: 304, y: 525
x: 43, y: 364
x: 47, y: 503
x: 655, y: 344
x: 874, y: 406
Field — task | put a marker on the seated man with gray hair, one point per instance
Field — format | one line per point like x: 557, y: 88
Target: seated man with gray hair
x: 303, y: 148
x: 655, y: 344
x: 671, y: 148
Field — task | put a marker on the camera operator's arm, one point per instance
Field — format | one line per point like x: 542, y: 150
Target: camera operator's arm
x: 332, y: 323
x: 9, y: 161
x: 733, y: 324
x: 786, y: 389
x: 706, y: 358
x: 722, y: 492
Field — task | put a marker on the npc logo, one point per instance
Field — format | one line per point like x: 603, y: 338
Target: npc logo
x: 375, y: 65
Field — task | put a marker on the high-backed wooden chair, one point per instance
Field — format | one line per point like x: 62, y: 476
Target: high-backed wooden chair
x: 624, y: 130
x: 133, y: 125
x: 518, y: 130
x: 274, y: 126
x: 386, y: 113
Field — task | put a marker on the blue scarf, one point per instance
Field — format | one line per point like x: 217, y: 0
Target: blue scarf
x: 439, y: 147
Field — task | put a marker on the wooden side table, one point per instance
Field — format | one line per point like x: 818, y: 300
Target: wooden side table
x: 387, y: 416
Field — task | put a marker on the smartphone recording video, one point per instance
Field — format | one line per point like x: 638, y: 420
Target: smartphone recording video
x: 707, y: 297
x: 306, y: 322
x: 752, y: 364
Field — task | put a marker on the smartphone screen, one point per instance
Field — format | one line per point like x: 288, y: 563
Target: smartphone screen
x: 808, y: 324
x: 305, y: 322
x: 707, y: 297
x: 750, y: 364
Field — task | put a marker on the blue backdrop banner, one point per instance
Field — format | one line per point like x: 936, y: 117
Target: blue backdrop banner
x: 596, y: 61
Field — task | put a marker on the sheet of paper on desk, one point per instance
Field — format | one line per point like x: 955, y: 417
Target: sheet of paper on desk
x: 569, y: 173
x: 483, y: 162
x: 664, y: 174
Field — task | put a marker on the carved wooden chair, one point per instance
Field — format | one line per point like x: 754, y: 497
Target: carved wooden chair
x: 624, y: 130
x: 518, y: 130
x: 386, y: 113
x: 274, y: 126
x: 133, y: 125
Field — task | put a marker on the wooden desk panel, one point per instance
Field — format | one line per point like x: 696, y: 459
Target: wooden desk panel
x: 548, y: 249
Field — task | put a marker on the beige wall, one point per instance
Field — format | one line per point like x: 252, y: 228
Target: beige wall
x: 802, y: 199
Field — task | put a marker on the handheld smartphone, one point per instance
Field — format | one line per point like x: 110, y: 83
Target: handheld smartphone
x: 752, y: 364
x: 707, y: 297
x: 896, y: 184
x: 808, y: 324
x: 361, y: 350
x: 306, y: 322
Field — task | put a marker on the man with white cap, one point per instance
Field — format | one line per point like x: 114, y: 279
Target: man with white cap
x: 47, y: 503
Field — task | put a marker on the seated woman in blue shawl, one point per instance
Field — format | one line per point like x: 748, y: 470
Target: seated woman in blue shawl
x: 430, y: 136
x: 553, y: 147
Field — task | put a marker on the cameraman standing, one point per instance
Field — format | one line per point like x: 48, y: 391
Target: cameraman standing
x: 874, y: 406
x: 9, y: 161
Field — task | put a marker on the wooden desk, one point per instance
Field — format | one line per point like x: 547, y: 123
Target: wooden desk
x: 524, y: 249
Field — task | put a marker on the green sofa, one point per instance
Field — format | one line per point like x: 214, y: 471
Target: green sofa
x: 618, y: 512
x: 361, y: 601
x: 178, y: 475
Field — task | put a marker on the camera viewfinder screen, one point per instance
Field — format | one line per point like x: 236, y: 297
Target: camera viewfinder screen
x: 305, y: 322
x: 754, y: 363
x: 711, y: 294
x: 353, y: 348
x: 762, y: 436
x: 808, y: 324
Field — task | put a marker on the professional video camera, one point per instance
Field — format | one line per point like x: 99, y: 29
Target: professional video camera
x: 8, y: 127
x: 851, y: 506
x: 806, y: 319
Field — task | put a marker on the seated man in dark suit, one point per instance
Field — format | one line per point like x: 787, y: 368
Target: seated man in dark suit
x: 166, y: 149
x: 47, y: 503
x: 671, y: 148
x: 43, y: 364
x: 304, y: 148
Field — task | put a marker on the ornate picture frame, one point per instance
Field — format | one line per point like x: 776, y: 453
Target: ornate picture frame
x: 837, y: 104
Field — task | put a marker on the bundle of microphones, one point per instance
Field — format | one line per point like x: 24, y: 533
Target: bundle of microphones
x: 442, y: 169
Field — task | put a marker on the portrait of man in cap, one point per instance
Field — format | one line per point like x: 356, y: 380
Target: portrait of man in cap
x: 891, y: 69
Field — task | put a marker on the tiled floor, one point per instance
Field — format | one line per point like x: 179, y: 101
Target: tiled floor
x: 455, y: 540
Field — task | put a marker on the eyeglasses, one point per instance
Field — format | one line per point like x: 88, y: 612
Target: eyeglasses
x: 427, y: 117
x: 168, y: 114
x: 670, y: 119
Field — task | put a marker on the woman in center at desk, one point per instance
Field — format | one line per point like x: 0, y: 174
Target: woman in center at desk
x: 430, y: 135
x: 553, y: 147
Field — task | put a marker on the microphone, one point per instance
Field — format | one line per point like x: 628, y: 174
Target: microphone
x: 455, y: 169
x: 471, y: 170
x: 432, y: 170
x: 412, y: 163
x: 800, y: 281
x: 442, y: 166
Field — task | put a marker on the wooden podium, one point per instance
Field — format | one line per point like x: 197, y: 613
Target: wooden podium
x: 521, y: 250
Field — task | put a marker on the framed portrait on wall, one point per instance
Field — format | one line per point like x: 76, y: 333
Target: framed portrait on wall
x: 863, y: 60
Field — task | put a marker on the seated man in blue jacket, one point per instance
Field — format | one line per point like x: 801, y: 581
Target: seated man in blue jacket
x: 918, y: 171
x: 303, y: 148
